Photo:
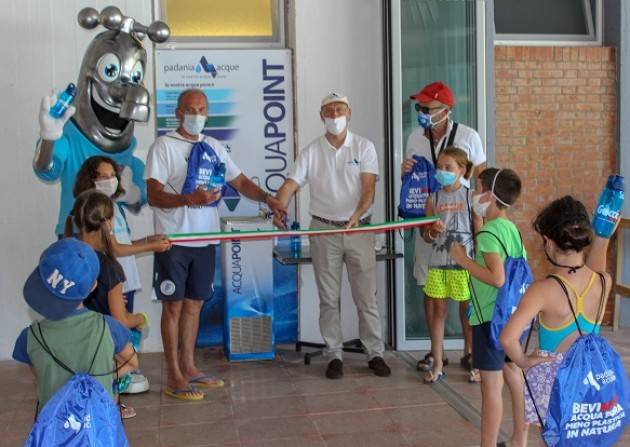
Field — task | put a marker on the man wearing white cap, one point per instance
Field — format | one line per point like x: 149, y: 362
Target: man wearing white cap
x: 341, y: 169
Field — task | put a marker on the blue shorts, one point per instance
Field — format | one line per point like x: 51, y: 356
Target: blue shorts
x: 484, y: 356
x: 184, y: 272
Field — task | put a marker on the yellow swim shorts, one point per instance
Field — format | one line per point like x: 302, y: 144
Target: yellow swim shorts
x: 447, y: 283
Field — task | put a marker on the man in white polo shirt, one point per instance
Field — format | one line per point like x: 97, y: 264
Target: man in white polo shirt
x: 177, y: 173
x: 341, y: 169
x: 437, y: 131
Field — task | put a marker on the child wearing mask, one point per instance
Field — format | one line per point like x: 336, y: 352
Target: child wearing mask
x: 499, y: 190
x: 565, y: 228
x: 103, y: 174
x: 445, y: 278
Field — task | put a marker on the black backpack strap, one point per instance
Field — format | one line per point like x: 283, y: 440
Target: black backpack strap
x: 600, y: 308
x: 451, y: 137
x: 497, y: 238
x: 566, y: 293
x: 42, y: 342
x: 446, y: 142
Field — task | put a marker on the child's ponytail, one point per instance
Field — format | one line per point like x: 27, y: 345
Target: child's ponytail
x: 92, y: 210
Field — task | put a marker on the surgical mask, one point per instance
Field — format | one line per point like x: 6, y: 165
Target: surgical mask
x: 426, y: 121
x: 335, y: 125
x: 194, y: 124
x: 480, y: 209
x: 107, y: 187
x: 445, y: 178
x: 571, y: 268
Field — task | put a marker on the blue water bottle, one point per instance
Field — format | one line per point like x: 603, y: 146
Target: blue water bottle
x: 609, y: 207
x: 296, y: 243
x: 217, y: 179
x: 63, y: 102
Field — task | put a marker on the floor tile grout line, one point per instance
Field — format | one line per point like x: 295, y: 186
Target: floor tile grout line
x: 452, y: 397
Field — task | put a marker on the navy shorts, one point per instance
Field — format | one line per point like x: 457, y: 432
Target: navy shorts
x: 484, y: 356
x: 184, y: 272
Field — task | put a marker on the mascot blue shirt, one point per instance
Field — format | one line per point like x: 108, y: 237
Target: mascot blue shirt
x: 69, y: 153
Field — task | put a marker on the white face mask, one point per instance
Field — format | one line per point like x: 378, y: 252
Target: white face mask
x: 194, y: 124
x: 107, y: 187
x: 480, y: 209
x: 335, y: 125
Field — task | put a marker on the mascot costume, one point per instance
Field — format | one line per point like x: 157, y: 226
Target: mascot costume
x: 110, y: 98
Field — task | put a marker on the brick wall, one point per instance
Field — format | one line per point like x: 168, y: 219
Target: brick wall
x: 556, y: 126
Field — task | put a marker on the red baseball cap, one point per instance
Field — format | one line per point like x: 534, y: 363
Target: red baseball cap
x: 436, y: 91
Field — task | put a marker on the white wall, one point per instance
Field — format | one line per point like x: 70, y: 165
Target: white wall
x: 338, y: 46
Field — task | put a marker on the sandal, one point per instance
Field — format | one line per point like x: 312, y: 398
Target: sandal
x: 432, y: 378
x: 466, y: 362
x: 426, y: 364
x: 189, y: 394
x: 126, y: 412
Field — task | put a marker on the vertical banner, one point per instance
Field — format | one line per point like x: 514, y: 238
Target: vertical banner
x: 250, y: 111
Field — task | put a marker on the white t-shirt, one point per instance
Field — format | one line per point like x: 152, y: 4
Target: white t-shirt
x: 167, y: 162
x: 334, y: 175
x: 128, y: 263
x: 467, y: 139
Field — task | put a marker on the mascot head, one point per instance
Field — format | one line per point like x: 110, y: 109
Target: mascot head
x: 110, y: 94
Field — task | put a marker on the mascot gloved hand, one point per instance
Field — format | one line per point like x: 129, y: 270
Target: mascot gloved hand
x: 50, y: 128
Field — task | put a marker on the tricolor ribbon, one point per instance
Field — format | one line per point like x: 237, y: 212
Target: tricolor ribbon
x: 268, y: 234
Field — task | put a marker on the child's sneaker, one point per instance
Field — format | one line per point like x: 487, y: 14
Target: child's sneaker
x: 137, y: 384
x: 474, y: 376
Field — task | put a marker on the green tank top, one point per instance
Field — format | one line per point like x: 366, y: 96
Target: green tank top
x: 75, y: 342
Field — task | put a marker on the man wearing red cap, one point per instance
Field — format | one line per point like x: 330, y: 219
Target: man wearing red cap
x: 437, y: 131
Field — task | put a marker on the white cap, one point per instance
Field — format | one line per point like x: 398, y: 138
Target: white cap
x: 334, y: 97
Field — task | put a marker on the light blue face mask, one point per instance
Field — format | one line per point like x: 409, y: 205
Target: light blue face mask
x: 426, y: 120
x: 445, y: 178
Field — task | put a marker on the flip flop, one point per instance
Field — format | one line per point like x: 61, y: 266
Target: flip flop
x: 431, y: 378
x: 207, y: 381
x: 189, y: 394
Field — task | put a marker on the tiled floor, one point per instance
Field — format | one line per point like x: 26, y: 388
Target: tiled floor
x: 285, y: 403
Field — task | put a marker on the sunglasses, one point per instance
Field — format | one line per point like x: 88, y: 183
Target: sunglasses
x: 426, y: 110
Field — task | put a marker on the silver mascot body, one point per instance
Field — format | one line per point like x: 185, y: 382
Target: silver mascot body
x: 110, y: 98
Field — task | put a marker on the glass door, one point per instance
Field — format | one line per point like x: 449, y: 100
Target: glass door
x: 431, y: 40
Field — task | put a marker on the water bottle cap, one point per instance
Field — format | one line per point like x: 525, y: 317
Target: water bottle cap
x: 616, y: 182
x: 71, y: 89
x: 295, y: 225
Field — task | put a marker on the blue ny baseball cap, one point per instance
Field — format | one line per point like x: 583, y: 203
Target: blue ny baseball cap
x: 64, y: 277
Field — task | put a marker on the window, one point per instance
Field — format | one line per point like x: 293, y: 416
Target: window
x: 546, y: 22
x: 225, y: 21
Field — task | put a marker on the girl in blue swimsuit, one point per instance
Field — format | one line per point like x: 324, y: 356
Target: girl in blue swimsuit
x: 566, y: 231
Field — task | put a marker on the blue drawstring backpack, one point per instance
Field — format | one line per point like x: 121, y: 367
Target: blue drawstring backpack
x: 80, y: 413
x: 201, y: 163
x: 518, y: 277
x: 590, y: 397
x: 416, y: 187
